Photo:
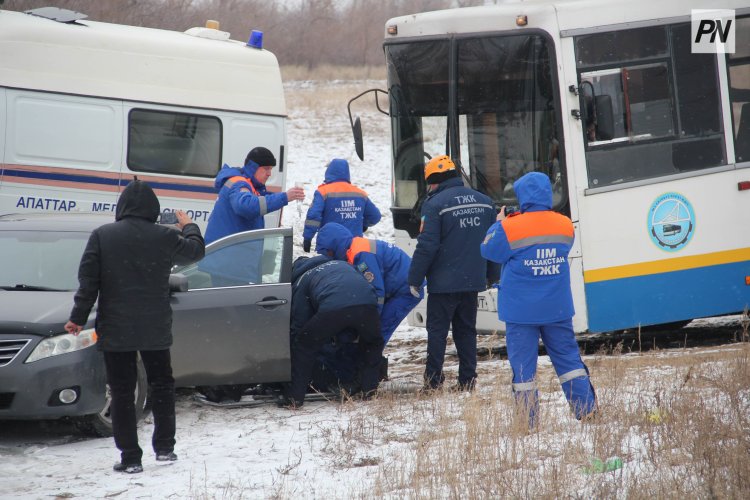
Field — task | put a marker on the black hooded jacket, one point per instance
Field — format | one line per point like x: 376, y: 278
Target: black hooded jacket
x: 127, y: 265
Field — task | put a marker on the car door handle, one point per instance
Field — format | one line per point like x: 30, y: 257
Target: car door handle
x: 268, y: 302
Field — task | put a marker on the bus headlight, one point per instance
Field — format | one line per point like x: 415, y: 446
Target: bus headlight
x: 62, y: 344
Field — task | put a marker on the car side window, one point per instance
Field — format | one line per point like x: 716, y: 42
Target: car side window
x: 244, y: 262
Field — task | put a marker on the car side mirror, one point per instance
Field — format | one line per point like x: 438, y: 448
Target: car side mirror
x: 178, y: 283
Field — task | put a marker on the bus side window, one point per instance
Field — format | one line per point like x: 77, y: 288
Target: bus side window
x: 650, y: 105
x: 738, y: 65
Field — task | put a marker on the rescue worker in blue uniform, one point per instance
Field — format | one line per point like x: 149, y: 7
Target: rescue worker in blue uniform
x: 243, y: 198
x: 534, y: 296
x: 243, y: 201
x: 383, y: 265
x: 338, y: 200
x: 329, y: 297
x: 455, y: 220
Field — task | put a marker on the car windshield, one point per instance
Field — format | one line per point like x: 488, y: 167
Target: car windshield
x: 40, y: 259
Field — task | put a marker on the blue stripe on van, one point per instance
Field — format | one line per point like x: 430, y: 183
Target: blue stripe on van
x: 92, y: 179
x: 666, y: 297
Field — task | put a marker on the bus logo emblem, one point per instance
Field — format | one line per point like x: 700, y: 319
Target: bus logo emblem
x: 671, y: 221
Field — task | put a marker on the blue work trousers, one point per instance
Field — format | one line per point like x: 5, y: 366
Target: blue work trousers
x: 459, y: 311
x: 394, y: 311
x: 561, y: 346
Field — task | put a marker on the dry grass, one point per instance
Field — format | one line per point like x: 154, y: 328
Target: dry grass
x: 679, y: 420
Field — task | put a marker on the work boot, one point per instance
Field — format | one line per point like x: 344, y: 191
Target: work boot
x: 430, y: 389
x: 465, y: 386
x: 166, y: 456
x: 127, y: 468
x: 289, y: 403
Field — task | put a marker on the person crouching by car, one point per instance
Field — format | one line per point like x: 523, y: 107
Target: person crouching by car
x: 383, y: 265
x: 126, y: 264
x: 329, y: 297
x: 534, y: 296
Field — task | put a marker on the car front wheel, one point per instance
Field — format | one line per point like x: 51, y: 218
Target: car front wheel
x: 100, y: 424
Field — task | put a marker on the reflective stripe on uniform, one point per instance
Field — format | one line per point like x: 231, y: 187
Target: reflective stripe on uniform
x: 263, y: 205
x: 343, y: 194
x: 566, y: 377
x: 524, y: 386
x: 340, y: 189
x: 537, y: 240
x: 471, y: 205
x: 381, y: 300
x: 312, y: 223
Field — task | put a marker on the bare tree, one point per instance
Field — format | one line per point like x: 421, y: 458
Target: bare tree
x: 308, y: 33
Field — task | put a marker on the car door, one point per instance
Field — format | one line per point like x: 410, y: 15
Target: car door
x: 232, y: 325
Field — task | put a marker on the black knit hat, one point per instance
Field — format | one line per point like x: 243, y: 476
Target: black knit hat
x: 261, y: 156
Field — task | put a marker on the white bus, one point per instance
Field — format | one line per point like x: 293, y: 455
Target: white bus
x: 646, y: 141
x: 87, y: 106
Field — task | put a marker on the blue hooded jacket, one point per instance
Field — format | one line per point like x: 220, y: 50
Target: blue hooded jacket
x: 455, y: 219
x: 242, y: 202
x: 337, y: 200
x: 384, y: 265
x: 533, y: 247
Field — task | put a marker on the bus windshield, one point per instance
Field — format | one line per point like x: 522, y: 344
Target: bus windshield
x: 493, y: 109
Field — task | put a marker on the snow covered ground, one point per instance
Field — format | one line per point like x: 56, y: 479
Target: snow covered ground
x: 326, y: 449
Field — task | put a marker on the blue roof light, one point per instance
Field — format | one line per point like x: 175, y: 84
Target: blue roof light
x: 256, y: 39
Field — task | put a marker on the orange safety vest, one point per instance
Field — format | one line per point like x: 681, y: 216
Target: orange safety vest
x: 341, y: 189
x: 358, y: 246
x: 241, y: 178
x: 531, y: 228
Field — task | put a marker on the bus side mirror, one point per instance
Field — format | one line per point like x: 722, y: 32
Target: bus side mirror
x: 605, y: 119
x: 358, y: 144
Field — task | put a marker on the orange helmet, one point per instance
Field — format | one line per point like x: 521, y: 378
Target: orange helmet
x: 439, y: 169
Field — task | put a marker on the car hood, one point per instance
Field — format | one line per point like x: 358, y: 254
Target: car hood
x: 38, y: 313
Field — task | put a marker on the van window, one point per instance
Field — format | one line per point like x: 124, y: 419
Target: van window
x: 52, y: 129
x: 174, y: 143
x: 650, y: 107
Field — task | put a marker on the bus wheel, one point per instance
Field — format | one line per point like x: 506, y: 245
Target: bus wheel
x: 100, y: 424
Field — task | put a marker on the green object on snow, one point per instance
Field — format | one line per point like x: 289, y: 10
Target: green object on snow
x: 598, y: 465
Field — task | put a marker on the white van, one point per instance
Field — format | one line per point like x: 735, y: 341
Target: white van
x: 87, y: 106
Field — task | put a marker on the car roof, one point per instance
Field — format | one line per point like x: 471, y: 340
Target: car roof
x: 54, y: 221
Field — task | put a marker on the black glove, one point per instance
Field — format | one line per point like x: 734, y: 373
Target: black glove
x: 306, y: 244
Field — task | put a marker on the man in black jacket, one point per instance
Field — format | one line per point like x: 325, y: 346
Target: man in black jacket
x: 330, y: 297
x: 126, y: 265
